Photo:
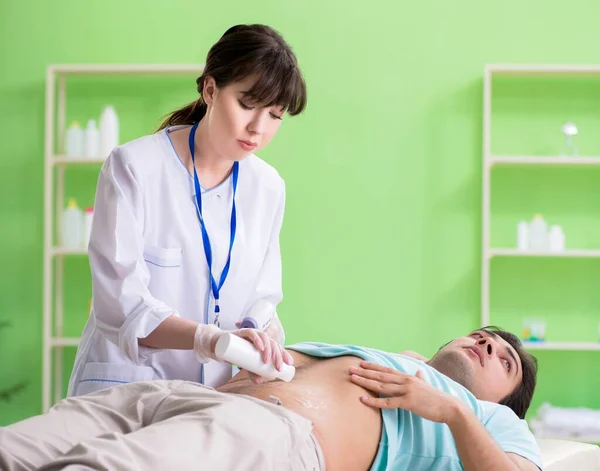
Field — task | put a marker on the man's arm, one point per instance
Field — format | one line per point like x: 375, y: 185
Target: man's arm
x: 477, y: 448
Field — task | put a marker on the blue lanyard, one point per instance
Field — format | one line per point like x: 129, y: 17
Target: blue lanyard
x: 205, y: 239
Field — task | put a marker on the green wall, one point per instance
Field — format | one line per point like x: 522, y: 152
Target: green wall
x: 382, y: 236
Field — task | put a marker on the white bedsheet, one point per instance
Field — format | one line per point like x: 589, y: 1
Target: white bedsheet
x: 564, y: 455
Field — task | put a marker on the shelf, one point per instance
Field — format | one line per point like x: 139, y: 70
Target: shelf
x: 99, y: 69
x: 583, y: 346
x: 574, y: 253
x: 544, y: 161
x: 62, y: 160
x: 57, y: 171
x: 69, y: 251
x: 542, y: 69
x: 65, y: 341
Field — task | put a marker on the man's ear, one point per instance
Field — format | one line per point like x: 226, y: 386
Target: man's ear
x: 208, y: 90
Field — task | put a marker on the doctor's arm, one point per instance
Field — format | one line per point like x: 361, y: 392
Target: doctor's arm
x: 269, y: 281
x: 124, y: 309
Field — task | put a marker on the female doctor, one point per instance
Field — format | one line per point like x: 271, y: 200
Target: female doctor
x: 185, y: 236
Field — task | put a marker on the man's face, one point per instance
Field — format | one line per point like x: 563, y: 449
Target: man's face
x: 482, y: 362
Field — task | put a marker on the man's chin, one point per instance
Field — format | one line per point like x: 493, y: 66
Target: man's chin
x: 456, y: 366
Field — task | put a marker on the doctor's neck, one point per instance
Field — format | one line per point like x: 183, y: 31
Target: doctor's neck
x: 212, y: 166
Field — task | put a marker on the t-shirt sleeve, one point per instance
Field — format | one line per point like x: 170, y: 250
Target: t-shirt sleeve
x: 513, y: 434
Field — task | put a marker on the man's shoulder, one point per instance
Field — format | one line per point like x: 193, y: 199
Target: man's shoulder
x: 496, y: 415
x: 510, y: 431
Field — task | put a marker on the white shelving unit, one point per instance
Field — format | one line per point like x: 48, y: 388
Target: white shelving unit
x: 491, y: 161
x: 54, y: 167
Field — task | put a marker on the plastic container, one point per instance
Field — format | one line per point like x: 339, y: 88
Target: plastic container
x: 538, y: 234
x: 556, y: 239
x: 240, y: 352
x: 92, y: 140
x: 569, y: 147
x: 109, y: 131
x: 88, y: 216
x: 534, y: 330
x: 74, y: 141
x: 523, y: 235
x: 72, y: 225
x: 259, y: 316
x: 538, y: 330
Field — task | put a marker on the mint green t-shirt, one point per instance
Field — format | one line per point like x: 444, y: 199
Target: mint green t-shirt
x: 409, y: 442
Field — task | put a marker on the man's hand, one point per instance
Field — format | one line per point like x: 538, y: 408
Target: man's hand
x: 404, y: 391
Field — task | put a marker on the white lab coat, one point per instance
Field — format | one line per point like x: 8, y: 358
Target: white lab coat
x: 147, y: 261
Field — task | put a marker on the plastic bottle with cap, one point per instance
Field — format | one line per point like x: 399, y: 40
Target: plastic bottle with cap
x: 72, y: 225
x: 109, y: 131
x: 523, y: 235
x: 538, y: 234
x: 241, y: 352
x: 74, y: 141
x: 556, y: 239
x: 92, y: 140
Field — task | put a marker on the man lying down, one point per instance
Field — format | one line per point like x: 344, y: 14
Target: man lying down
x: 391, y: 412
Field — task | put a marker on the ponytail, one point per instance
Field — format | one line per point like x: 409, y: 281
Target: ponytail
x: 189, y: 114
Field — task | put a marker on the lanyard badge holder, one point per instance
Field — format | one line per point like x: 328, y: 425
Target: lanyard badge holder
x: 205, y: 239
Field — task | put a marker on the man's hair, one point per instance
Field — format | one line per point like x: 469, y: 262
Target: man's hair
x: 520, y: 399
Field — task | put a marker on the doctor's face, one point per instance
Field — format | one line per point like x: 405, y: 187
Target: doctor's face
x: 237, y: 126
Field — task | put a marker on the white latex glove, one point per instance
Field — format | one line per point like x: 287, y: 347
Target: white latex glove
x: 206, y: 338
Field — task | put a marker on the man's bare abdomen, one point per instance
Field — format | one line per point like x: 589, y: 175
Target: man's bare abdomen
x: 347, y: 430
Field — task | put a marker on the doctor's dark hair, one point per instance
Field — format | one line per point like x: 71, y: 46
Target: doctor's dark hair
x: 518, y: 400
x: 246, y: 51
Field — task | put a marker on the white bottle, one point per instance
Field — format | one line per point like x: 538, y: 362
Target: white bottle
x: 259, y: 316
x: 556, y: 239
x: 523, y: 235
x: 92, y: 140
x: 538, y: 234
x: 72, y: 225
x: 240, y: 352
x: 109, y: 131
x: 88, y: 217
x: 74, y: 140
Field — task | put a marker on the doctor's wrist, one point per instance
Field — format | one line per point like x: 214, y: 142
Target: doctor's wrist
x: 205, y: 339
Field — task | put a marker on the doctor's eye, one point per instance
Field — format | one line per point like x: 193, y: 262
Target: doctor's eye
x: 245, y: 106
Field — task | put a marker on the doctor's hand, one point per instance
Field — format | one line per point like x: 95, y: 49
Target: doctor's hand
x: 271, y: 350
x: 402, y: 391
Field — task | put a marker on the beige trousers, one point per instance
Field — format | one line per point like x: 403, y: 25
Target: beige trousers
x: 161, y: 425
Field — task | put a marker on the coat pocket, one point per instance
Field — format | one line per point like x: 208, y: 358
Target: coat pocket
x: 164, y: 266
